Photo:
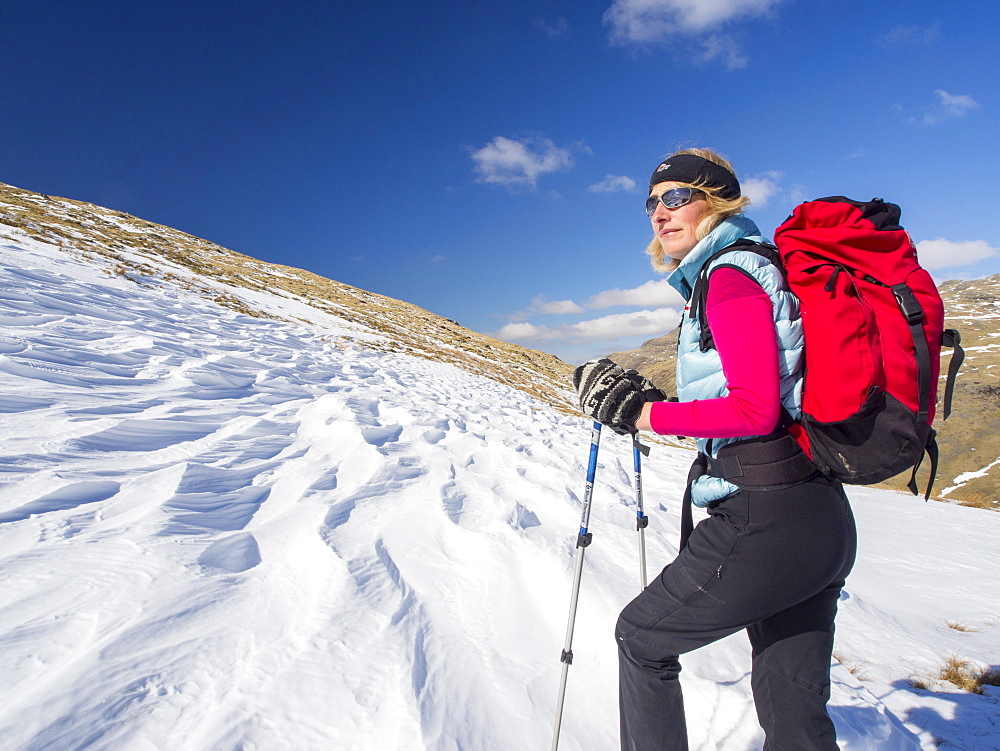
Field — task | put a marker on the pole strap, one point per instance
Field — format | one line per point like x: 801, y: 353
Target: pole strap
x: 642, y: 448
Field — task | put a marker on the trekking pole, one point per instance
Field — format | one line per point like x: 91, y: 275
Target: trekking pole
x: 641, y: 520
x: 582, y: 541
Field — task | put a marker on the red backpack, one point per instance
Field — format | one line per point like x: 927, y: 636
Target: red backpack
x: 873, y: 323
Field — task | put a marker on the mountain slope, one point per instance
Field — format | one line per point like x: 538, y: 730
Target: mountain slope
x: 970, y: 438
x: 223, y: 531
x: 148, y: 253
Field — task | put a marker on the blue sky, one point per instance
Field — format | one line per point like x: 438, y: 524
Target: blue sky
x: 488, y: 161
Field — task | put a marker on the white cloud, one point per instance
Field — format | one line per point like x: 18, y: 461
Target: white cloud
x: 612, y: 184
x: 722, y: 47
x: 697, y: 22
x: 524, y: 332
x: 619, y: 325
x: 948, y: 107
x: 541, y: 305
x: 559, y: 28
x: 796, y: 195
x: 653, y: 20
x: 903, y: 36
x: 648, y: 21
x: 941, y: 253
x: 439, y: 258
x: 519, y: 163
x: 555, y: 307
x: 605, y: 329
x: 654, y: 293
x: 762, y: 188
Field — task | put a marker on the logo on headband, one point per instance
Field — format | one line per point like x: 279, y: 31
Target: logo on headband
x: 663, y: 166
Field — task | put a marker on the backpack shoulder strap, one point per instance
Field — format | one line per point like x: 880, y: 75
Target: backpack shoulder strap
x: 699, y: 296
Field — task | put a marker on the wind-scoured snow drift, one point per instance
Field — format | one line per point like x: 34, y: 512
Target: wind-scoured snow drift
x: 225, y: 532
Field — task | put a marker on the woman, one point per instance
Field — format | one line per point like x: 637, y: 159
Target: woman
x: 779, y: 539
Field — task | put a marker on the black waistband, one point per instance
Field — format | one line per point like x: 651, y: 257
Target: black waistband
x: 765, y: 463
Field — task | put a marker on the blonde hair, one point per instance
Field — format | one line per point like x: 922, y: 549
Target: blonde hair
x: 718, y: 209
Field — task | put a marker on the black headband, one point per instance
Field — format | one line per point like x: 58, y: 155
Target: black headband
x: 694, y: 170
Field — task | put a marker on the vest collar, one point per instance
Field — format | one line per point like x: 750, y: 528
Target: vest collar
x: 729, y: 231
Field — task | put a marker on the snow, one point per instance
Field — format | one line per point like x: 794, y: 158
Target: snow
x: 965, y: 477
x: 226, y: 532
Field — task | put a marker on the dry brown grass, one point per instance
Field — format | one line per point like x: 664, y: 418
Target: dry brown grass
x: 856, y: 667
x: 961, y: 627
x: 980, y: 500
x: 961, y: 673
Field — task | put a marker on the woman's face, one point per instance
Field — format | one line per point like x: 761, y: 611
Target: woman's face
x: 677, y: 229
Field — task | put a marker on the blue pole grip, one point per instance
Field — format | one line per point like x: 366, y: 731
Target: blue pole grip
x: 637, y: 464
x: 595, y: 442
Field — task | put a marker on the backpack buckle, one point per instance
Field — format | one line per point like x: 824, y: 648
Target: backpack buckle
x: 908, y: 303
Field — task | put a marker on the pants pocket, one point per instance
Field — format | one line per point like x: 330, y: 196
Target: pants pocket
x: 689, y: 577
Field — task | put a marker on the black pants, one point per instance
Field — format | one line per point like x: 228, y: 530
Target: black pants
x: 772, y: 562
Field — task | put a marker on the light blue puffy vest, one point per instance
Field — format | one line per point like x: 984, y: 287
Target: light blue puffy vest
x: 699, y: 374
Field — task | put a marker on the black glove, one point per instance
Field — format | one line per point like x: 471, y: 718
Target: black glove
x: 612, y: 395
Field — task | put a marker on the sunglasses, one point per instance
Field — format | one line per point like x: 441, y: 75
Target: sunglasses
x: 672, y: 199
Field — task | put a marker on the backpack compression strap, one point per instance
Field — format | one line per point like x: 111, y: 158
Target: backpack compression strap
x: 952, y: 338
x: 914, y: 314
x: 912, y: 311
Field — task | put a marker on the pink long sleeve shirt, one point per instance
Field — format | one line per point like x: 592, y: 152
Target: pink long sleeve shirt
x: 740, y: 316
